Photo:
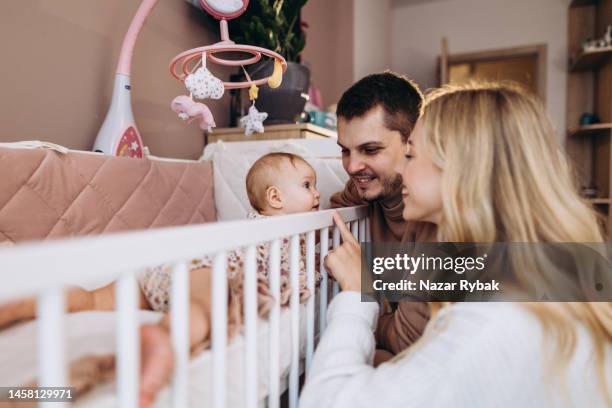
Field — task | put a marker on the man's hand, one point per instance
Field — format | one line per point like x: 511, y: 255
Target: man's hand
x: 344, y: 262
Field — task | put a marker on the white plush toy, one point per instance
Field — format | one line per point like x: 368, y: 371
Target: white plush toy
x: 253, y: 122
x: 202, y: 84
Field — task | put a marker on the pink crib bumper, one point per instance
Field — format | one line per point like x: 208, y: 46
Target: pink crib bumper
x: 47, y: 194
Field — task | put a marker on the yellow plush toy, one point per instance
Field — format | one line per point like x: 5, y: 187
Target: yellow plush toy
x: 253, y: 92
x: 277, y: 75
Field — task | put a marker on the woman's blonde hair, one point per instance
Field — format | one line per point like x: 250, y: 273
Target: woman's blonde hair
x: 505, y: 179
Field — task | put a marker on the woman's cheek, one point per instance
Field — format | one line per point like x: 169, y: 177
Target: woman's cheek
x: 419, y: 193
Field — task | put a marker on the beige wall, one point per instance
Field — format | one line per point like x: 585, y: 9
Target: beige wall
x: 59, y: 57
x: 405, y: 35
x: 417, y: 27
x: 58, y: 61
x: 346, y: 40
x: 329, y: 50
x: 372, y: 39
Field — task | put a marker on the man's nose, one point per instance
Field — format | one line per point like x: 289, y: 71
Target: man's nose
x: 355, y: 165
x: 399, y: 165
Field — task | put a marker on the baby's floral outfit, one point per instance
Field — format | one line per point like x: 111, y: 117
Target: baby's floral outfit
x: 156, y: 282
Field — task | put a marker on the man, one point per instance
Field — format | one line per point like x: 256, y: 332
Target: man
x: 375, y: 118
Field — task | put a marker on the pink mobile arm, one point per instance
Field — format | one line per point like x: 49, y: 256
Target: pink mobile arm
x: 127, y: 48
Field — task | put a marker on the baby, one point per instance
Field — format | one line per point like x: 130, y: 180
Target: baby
x: 277, y: 184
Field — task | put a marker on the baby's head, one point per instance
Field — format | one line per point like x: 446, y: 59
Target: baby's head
x: 282, y: 183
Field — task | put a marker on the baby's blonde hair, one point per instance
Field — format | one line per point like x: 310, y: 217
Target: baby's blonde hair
x: 506, y: 179
x: 264, y: 173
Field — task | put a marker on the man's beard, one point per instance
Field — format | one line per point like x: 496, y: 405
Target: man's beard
x: 390, y: 186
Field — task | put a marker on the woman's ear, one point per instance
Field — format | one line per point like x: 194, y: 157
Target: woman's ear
x: 273, y: 197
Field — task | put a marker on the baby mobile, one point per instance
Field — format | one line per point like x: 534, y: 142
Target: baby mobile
x: 190, y: 67
x: 119, y: 135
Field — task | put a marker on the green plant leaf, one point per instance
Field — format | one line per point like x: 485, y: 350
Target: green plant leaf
x: 279, y: 17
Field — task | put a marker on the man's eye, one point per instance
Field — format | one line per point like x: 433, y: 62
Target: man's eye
x: 344, y: 151
x: 371, y: 151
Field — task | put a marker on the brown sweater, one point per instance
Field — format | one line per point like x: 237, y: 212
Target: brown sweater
x: 399, y: 329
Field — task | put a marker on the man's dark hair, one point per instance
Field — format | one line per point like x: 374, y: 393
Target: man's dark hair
x: 399, y: 97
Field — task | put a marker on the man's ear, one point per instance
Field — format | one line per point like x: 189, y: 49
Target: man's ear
x: 273, y: 197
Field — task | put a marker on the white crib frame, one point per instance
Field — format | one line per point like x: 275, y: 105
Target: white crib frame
x: 119, y: 256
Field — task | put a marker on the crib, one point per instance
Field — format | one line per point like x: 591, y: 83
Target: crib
x: 262, y: 359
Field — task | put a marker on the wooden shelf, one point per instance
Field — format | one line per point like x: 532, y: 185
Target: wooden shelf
x: 590, y: 130
x: 588, y: 90
x: 585, y: 61
x: 605, y: 201
x: 289, y: 131
x: 581, y: 3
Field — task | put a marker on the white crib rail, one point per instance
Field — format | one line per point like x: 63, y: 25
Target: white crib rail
x: 335, y: 243
x: 250, y: 328
x: 310, y: 305
x: 323, y: 288
x: 70, y: 260
x: 274, y: 273
x: 219, y: 328
x: 294, y: 376
x: 52, y: 366
x: 179, y: 314
x: 128, y: 349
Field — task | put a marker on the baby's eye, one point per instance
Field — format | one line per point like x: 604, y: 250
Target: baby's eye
x: 307, y: 184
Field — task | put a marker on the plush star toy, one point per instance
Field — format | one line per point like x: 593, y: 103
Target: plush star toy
x: 253, y: 122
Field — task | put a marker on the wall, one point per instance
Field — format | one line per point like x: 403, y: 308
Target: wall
x: 372, y: 39
x: 346, y: 40
x: 60, y: 55
x: 58, y: 62
x: 478, y: 25
x: 329, y: 50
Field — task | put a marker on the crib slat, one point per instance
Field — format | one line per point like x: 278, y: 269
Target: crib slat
x: 335, y: 244
x: 52, y: 366
x: 323, y: 291
x: 219, y: 329
x: 295, y: 320
x: 179, y: 315
x: 250, y: 327
x: 310, y: 310
x: 274, y: 274
x: 354, y: 229
x: 128, y: 341
x: 362, y: 230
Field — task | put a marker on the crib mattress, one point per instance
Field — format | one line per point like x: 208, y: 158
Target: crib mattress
x: 90, y: 333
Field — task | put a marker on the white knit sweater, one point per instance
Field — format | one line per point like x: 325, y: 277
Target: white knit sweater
x: 473, y: 355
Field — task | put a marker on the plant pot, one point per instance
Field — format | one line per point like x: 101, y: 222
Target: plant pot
x: 285, y: 103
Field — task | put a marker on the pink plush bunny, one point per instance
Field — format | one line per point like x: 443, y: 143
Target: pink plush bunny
x: 189, y: 110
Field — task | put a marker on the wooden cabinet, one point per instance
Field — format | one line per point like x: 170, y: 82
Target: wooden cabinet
x: 291, y: 131
x: 589, y: 90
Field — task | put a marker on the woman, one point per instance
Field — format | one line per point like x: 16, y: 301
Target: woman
x: 484, y: 165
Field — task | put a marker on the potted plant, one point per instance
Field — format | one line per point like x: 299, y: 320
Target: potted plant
x: 276, y: 25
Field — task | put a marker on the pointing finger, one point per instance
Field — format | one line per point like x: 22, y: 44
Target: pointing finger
x: 347, y: 236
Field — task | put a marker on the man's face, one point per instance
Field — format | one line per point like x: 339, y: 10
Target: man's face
x: 371, y: 153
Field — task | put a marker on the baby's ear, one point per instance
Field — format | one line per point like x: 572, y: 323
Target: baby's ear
x: 273, y: 197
